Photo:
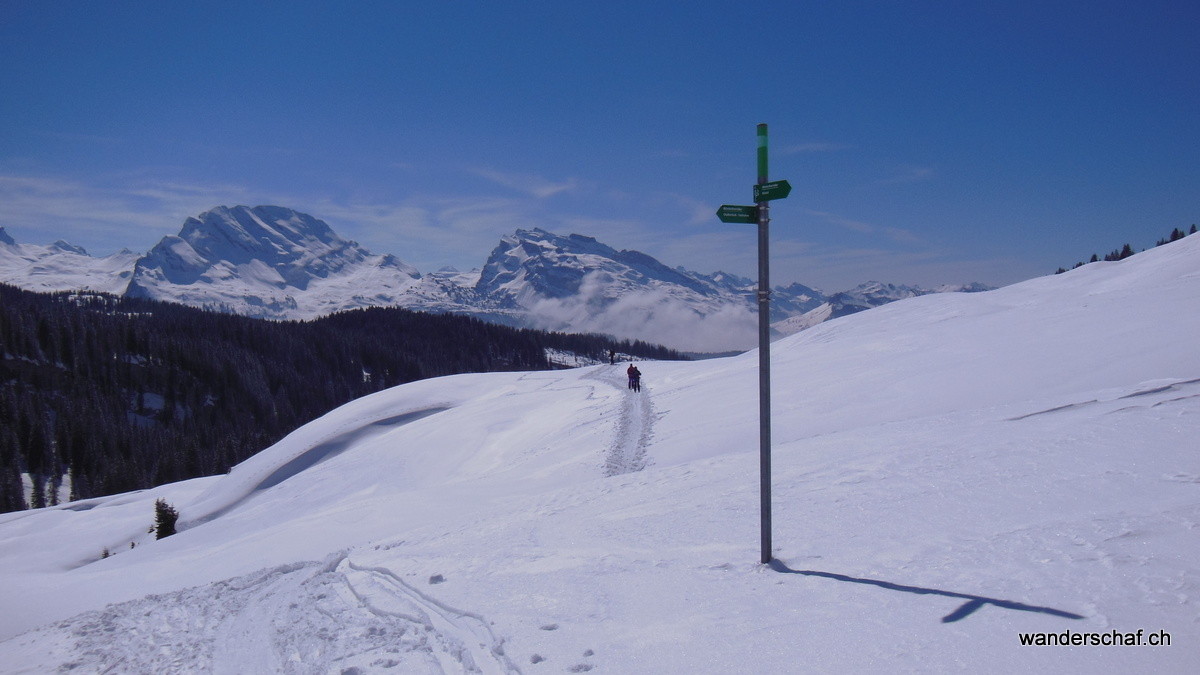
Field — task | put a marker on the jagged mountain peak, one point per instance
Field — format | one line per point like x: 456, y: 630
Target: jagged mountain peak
x: 268, y: 261
x: 5, y: 238
x: 69, y: 248
x: 535, y: 263
x: 539, y: 242
x: 270, y: 233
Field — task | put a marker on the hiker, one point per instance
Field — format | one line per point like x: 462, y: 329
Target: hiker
x: 612, y: 357
x: 635, y: 377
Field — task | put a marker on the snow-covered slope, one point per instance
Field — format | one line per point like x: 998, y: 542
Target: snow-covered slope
x: 859, y: 299
x: 62, y: 267
x: 951, y: 471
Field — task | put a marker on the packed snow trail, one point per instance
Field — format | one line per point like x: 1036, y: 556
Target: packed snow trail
x: 635, y: 421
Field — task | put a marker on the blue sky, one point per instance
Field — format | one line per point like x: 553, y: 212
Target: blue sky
x: 926, y: 142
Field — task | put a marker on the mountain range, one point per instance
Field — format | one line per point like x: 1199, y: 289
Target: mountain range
x: 277, y: 263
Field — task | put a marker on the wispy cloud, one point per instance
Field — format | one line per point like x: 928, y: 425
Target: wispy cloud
x: 80, y: 138
x: 100, y: 217
x: 135, y: 211
x: 428, y: 232
x: 671, y: 154
x: 733, y: 250
x: 896, y: 234
x: 697, y: 212
x: 803, y: 148
x: 909, y: 174
x: 834, y: 268
x: 535, y: 186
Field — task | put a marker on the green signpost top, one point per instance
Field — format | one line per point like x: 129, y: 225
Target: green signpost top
x: 762, y: 152
x: 777, y: 189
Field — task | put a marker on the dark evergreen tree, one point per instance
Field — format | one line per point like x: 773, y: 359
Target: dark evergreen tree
x: 165, y: 517
x: 12, y: 492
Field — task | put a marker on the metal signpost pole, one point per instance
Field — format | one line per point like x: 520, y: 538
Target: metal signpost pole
x: 764, y: 192
x: 764, y: 352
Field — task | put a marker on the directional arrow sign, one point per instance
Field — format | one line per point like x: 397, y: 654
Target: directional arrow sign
x: 733, y: 213
x: 777, y: 189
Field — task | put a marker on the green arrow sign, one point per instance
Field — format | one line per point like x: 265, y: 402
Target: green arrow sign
x: 777, y: 189
x: 733, y: 213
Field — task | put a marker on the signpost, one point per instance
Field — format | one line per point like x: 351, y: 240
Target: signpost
x: 773, y: 190
x: 764, y: 192
x: 732, y: 213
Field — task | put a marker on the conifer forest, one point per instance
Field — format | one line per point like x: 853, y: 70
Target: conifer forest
x: 101, y: 394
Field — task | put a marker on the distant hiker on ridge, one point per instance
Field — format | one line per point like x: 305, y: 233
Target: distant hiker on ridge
x: 635, y: 377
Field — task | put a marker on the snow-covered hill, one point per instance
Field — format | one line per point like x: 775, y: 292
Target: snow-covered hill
x: 952, y: 472
x: 858, y: 299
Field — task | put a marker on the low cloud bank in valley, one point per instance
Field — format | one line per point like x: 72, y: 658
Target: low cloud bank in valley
x: 648, y: 315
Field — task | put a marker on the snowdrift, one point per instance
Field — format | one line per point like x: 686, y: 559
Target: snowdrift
x: 952, y: 472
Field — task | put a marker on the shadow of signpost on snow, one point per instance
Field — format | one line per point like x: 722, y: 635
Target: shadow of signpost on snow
x: 973, y: 602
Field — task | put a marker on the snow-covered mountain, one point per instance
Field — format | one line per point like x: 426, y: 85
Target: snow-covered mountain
x: 577, y: 283
x: 274, y: 262
x: 267, y: 262
x: 62, y: 267
x: 953, y: 474
x: 535, y: 264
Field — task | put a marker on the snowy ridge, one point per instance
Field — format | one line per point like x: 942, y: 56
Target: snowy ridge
x: 951, y: 471
x: 277, y: 263
x: 62, y: 267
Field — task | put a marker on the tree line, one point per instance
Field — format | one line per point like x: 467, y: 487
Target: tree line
x: 107, y: 394
x: 1127, y: 250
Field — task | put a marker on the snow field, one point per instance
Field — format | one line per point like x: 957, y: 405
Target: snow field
x: 950, y: 471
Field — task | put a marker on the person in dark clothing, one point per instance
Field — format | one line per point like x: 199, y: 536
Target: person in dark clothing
x: 612, y: 357
x: 635, y: 377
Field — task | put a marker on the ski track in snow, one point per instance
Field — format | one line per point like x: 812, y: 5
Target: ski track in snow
x: 627, y: 453
x: 330, y: 617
